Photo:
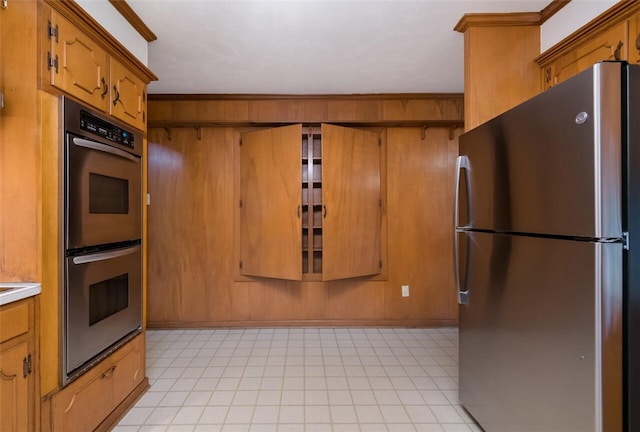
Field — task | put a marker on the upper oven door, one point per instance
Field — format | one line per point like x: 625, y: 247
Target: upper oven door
x: 103, y: 193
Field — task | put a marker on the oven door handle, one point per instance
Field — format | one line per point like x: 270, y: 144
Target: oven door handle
x: 105, y: 148
x: 105, y: 255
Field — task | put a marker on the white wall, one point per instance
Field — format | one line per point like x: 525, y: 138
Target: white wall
x: 569, y: 19
x: 104, y: 12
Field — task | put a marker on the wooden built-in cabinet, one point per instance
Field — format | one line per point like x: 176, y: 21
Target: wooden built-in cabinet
x: 499, y: 70
x: 81, y: 67
x: 614, y: 35
x: 85, y: 403
x: 18, y: 367
x: 50, y: 48
x: 310, y: 203
x: 382, y: 165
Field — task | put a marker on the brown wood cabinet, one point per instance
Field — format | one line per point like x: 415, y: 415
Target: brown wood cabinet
x: 18, y: 368
x: 85, y: 403
x: 77, y: 65
x: 608, y: 45
x: 614, y: 35
x: 315, y: 213
x: 499, y: 70
x: 81, y: 67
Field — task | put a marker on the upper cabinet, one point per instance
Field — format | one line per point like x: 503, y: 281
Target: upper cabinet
x: 310, y: 203
x: 128, y: 95
x: 614, y: 35
x: 612, y: 44
x: 79, y: 66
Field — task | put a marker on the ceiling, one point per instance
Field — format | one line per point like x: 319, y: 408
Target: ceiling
x: 310, y: 46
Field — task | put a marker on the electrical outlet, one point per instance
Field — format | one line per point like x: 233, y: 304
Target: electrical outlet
x: 405, y: 290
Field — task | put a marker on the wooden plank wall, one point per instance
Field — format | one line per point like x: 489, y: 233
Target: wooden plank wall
x: 192, y: 281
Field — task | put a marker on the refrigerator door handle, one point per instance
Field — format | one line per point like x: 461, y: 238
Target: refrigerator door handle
x: 463, y: 295
x: 462, y: 162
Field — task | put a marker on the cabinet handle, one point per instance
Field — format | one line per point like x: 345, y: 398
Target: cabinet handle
x: 324, y: 211
x: 616, y: 53
x: 105, y: 88
x: 117, y: 98
x: 25, y: 368
x: 109, y: 372
x: 299, y: 214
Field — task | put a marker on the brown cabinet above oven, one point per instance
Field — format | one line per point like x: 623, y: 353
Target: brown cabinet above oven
x: 80, y: 66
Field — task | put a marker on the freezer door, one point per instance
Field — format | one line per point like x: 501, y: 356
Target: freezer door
x: 551, y: 165
x: 540, y: 334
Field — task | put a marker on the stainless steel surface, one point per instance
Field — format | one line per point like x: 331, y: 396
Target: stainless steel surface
x: 529, y: 355
x: 102, y: 297
x: 462, y: 162
x: 544, y: 261
x: 538, y: 171
x: 101, y: 256
x: 104, y: 148
x: 85, y: 227
x: 88, y: 285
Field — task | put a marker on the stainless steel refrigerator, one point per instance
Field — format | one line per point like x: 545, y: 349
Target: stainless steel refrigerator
x: 547, y: 259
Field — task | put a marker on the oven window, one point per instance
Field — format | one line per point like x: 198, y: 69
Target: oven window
x: 108, y: 297
x: 108, y: 195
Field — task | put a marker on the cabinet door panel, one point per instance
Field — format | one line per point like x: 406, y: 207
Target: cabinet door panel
x: 270, y: 214
x: 82, y: 65
x: 610, y: 45
x: 127, y: 95
x: 351, y: 196
x: 14, y: 390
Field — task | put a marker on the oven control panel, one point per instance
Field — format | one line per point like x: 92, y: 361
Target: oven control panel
x: 106, y: 130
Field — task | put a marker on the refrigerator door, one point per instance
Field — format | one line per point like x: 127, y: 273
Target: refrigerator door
x: 550, y: 165
x: 540, y: 333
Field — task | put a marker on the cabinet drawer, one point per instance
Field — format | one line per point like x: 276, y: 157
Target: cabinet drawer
x: 14, y: 319
x: 86, y: 402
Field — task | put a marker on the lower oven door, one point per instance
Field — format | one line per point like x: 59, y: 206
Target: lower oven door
x: 103, y: 303
x: 103, y: 193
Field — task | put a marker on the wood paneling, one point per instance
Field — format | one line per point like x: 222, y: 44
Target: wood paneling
x: 420, y: 206
x: 499, y: 70
x: 192, y: 280
x: 19, y: 149
x: 190, y: 226
x: 214, y: 110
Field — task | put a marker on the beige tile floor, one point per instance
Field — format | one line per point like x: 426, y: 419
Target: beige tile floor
x: 301, y: 379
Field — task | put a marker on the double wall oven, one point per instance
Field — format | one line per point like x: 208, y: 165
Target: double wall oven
x: 102, y: 299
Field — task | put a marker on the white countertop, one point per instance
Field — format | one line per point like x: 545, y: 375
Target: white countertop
x: 18, y: 291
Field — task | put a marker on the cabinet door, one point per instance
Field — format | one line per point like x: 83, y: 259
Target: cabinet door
x: 14, y: 389
x: 271, y: 203
x: 351, y: 199
x: 82, y: 65
x: 85, y: 403
x: 610, y: 45
x: 127, y: 95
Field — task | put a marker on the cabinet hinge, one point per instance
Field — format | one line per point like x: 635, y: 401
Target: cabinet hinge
x: 240, y: 142
x: 53, y: 32
x: 379, y: 142
x: 380, y: 264
x: 52, y: 62
x: 240, y: 203
x: 27, y: 366
x: 380, y: 203
x: 240, y: 264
